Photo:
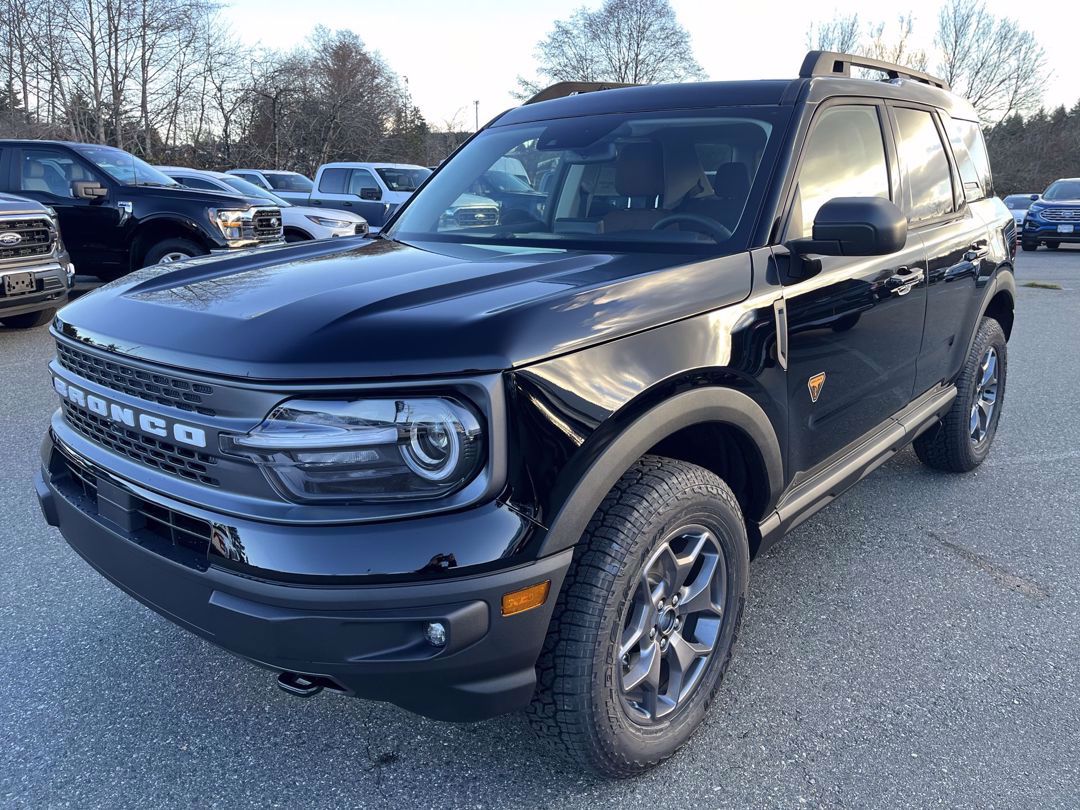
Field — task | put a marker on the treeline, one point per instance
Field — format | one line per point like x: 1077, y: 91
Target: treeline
x: 1027, y: 154
x: 167, y: 80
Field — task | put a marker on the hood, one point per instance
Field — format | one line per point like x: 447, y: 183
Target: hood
x: 211, y: 199
x: 328, y: 213
x: 10, y: 204
x: 381, y: 309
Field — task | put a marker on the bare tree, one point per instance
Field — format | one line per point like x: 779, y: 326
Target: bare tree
x: 841, y: 34
x: 625, y: 41
x: 998, y: 66
x: 877, y: 40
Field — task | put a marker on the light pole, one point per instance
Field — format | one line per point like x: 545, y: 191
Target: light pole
x: 476, y: 110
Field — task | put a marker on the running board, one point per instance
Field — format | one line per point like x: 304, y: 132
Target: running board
x: 808, y: 497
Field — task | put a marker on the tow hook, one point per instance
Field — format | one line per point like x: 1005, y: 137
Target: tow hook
x: 300, y: 685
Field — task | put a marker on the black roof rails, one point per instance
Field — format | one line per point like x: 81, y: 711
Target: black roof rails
x: 572, y: 89
x: 829, y: 63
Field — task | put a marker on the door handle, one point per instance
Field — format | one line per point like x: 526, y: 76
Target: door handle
x: 976, y: 252
x: 905, y: 280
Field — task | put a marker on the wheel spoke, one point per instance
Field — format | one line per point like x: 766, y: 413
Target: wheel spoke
x: 636, y: 631
x: 645, y: 672
x: 684, y: 564
x: 698, y: 597
x: 682, y: 653
x: 989, y: 369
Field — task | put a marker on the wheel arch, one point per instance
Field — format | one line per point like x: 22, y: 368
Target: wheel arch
x: 702, y: 426
x: 157, y: 229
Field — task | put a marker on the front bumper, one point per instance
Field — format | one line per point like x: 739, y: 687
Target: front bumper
x: 53, y: 285
x: 365, y: 640
x: 1037, y: 231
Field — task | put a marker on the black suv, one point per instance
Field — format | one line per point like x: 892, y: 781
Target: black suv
x: 118, y: 213
x: 525, y: 465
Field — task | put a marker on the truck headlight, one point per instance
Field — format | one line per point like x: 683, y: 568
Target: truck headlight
x: 365, y: 450
x: 326, y: 222
x: 229, y: 221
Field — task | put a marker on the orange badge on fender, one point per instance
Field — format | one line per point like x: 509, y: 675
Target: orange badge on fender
x: 815, y: 384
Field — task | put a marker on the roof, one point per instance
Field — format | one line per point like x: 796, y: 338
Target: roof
x: 355, y: 164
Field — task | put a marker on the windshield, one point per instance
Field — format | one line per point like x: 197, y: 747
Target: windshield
x: 124, y: 167
x: 288, y: 181
x: 1018, y: 201
x: 252, y: 190
x: 632, y: 181
x: 403, y: 179
x: 1063, y: 190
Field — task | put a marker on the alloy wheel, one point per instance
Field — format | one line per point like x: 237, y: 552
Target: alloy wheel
x: 986, y: 396
x: 173, y: 256
x: 672, y: 624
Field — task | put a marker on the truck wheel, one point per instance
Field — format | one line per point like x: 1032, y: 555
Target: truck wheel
x: 172, y: 250
x: 28, y: 320
x: 293, y: 235
x: 645, y: 623
x: 962, y: 441
x: 1053, y: 245
x: 1027, y: 244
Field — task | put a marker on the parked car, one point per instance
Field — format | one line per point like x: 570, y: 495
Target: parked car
x: 526, y: 465
x: 1055, y: 217
x: 118, y: 213
x: 1018, y: 205
x: 372, y: 190
x: 36, y: 272
x: 291, y: 186
x: 300, y: 222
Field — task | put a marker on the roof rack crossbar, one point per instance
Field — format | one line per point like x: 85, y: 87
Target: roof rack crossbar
x: 563, y: 89
x: 830, y: 63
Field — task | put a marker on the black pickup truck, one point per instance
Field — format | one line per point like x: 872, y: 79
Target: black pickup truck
x: 118, y: 213
x: 525, y: 464
x: 35, y: 269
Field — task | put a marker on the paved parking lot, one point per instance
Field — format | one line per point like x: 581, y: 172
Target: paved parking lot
x: 914, y: 644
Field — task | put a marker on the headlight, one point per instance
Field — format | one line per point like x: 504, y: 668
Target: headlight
x: 365, y: 450
x: 229, y: 221
x: 326, y: 222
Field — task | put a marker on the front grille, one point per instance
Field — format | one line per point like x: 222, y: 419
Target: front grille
x: 147, y: 450
x: 164, y: 389
x: 1061, y: 214
x: 35, y: 238
x: 150, y: 518
x: 474, y: 217
x: 266, y: 223
x: 1010, y: 232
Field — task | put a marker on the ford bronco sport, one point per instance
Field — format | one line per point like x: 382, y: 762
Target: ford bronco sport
x: 525, y: 464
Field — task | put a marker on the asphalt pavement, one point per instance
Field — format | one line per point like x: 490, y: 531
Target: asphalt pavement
x: 914, y: 644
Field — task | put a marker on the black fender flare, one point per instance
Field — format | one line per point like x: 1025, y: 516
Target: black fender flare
x: 697, y: 406
x: 1003, y: 281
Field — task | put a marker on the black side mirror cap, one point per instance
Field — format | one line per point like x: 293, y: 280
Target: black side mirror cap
x: 855, y: 226
x: 88, y: 189
x: 1034, y: 197
x: 369, y: 193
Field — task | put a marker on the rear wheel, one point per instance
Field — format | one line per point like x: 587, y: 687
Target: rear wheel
x: 172, y: 250
x: 28, y: 320
x: 296, y: 236
x: 962, y: 441
x: 1053, y: 245
x: 645, y: 624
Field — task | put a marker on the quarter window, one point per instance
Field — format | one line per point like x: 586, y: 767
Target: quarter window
x: 925, y: 165
x: 967, y: 136
x: 845, y: 157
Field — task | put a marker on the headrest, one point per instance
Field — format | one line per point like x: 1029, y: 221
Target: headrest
x: 732, y: 181
x: 33, y: 169
x: 639, y: 170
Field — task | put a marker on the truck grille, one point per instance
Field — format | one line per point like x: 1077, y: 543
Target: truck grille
x: 1061, y: 214
x: 475, y: 217
x: 266, y: 223
x: 165, y: 524
x: 153, y: 452
x: 152, y: 387
x: 36, y: 237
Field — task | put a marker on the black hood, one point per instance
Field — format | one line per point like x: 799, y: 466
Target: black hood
x: 359, y: 309
x: 211, y: 199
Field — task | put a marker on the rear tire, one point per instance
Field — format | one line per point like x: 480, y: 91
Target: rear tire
x: 962, y: 441
x: 663, y: 517
x: 296, y: 236
x: 1053, y: 245
x: 28, y: 320
x: 172, y: 250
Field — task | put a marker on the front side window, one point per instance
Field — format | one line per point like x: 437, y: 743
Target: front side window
x: 332, y: 181
x: 659, y: 180
x: 50, y: 171
x: 925, y: 165
x: 361, y: 179
x: 124, y: 167
x: 845, y: 157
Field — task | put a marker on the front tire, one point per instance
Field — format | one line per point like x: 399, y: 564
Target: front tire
x: 172, y: 250
x: 28, y: 320
x: 1029, y: 245
x: 1053, y: 245
x: 962, y: 441
x: 646, y: 621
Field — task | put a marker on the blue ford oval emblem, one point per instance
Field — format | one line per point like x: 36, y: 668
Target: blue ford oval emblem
x: 10, y: 238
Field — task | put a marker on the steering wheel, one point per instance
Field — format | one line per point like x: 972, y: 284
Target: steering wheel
x: 714, y: 229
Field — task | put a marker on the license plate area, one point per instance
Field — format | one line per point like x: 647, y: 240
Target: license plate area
x: 19, y: 283
x: 1065, y: 228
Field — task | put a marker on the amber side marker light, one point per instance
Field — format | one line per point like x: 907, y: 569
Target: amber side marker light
x: 525, y: 599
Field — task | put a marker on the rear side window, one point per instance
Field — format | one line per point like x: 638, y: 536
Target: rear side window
x: 968, y: 136
x: 925, y: 165
x: 845, y: 157
x: 332, y: 181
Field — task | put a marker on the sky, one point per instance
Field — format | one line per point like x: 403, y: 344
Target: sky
x: 455, y: 52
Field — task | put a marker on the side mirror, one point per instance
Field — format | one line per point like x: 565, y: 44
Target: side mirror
x: 88, y: 189
x: 370, y: 193
x: 855, y: 226
x: 1034, y: 197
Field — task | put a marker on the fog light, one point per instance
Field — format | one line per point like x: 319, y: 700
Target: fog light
x: 435, y: 633
x: 525, y: 599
